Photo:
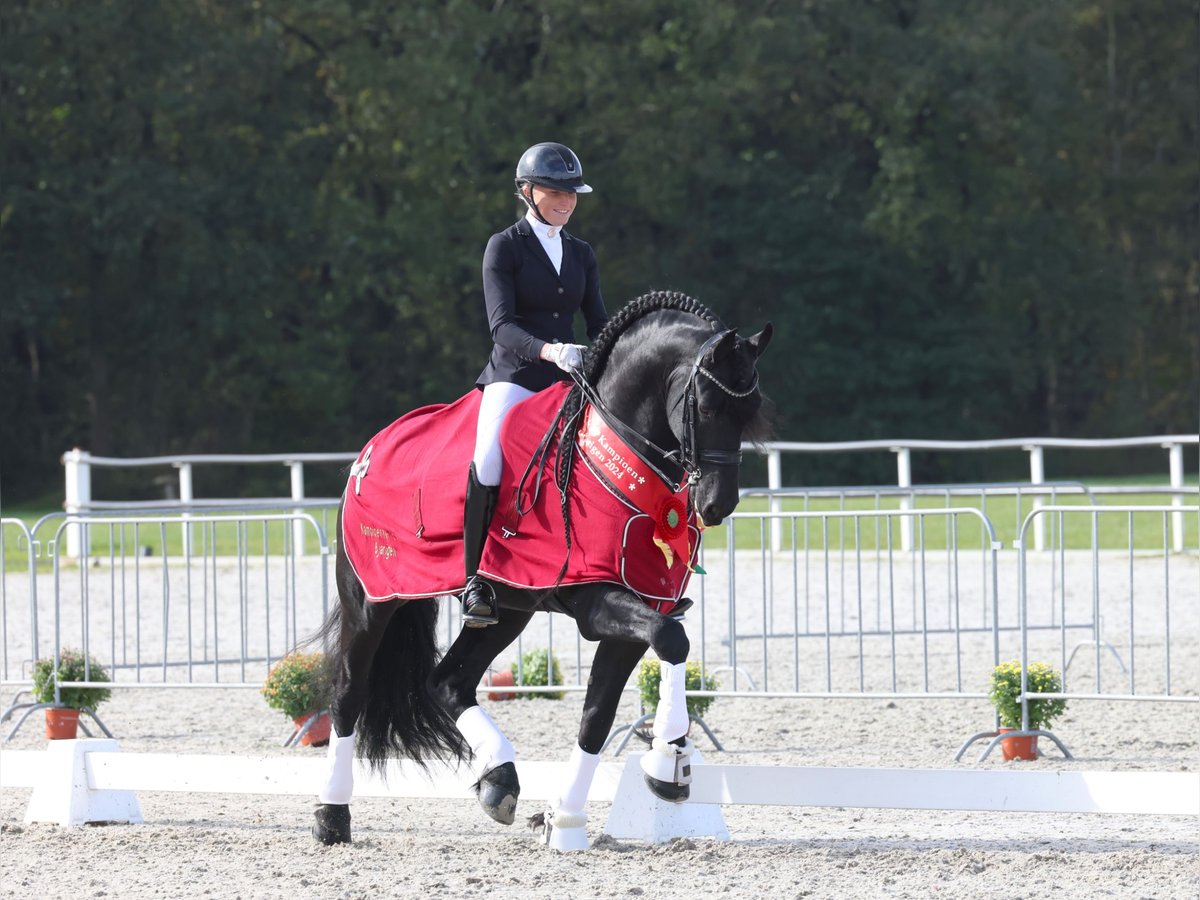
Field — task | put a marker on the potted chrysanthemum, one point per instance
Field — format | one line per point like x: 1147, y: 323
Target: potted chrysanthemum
x: 300, y: 687
x: 65, y: 703
x: 1005, y: 694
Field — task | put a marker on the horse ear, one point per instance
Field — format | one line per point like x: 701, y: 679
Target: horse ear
x: 721, y: 347
x: 759, y: 341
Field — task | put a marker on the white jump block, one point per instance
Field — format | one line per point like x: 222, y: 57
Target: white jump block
x: 636, y: 814
x: 63, y: 792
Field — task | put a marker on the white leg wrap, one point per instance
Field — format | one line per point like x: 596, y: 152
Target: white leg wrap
x: 339, y: 783
x: 564, y: 831
x: 487, y: 742
x: 668, y: 762
x: 671, y: 716
x: 581, y: 769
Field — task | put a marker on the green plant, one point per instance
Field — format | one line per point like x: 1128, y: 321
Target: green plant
x: 696, y: 680
x: 536, y: 668
x: 70, y: 668
x: 299, y: 684
x: 1005, y: 694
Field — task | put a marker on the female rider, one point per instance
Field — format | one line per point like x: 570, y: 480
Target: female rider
x: 535, y: 276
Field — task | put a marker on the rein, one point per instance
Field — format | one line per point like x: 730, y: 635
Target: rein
x: 686, y: 460
x: 643, y: 446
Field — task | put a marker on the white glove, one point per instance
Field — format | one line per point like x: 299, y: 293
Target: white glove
x: 567, y: 357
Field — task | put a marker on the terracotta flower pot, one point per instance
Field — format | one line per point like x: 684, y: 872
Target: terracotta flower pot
x: 318, y: 735
x: 1018, y: 747
x: 62, y: 724
x: 503, y: 678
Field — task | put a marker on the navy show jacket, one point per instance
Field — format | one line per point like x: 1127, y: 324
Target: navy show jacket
x: 530, y: 305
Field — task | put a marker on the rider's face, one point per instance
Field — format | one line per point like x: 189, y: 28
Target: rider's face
x: 555, y: 206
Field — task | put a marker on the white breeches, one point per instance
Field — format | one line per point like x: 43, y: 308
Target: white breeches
x: 498, y: 398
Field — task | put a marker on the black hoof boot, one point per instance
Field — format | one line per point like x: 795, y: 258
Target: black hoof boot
x: 479, y: 604
x: 333, y: 824
x: 667, y: 790
x: 498, y: 790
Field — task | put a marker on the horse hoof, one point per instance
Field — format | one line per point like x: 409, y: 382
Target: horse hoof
x: 498, y: 790
x: 667, y: 790
x: 667, y: 769
x: 333, y: 824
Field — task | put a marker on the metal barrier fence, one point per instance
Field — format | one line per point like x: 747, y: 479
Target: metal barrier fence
x: 908, y: 497
x: 151, y: 609
x: 842, y: 611
x: 839, y: 612
x: 16, y: 533
x: 1131, y: 634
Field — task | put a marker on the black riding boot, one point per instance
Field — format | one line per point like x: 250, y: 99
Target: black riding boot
x: 478, y: 598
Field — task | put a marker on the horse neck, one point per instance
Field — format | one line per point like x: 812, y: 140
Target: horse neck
x: 634, y: 386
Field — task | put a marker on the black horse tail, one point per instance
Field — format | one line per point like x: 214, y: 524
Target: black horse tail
x: 400, y: 716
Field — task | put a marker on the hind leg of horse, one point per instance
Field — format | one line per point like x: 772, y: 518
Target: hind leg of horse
x: 611, y: 614
x: 454, y: 683
x: 361, y: 628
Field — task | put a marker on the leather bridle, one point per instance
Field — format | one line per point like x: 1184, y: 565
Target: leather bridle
x: 688, y: 459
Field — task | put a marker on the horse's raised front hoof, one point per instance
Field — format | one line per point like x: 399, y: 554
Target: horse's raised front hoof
x: 498, y: 790
x: 667, y: 768
x: 667, y: 790
x: 332, y: 825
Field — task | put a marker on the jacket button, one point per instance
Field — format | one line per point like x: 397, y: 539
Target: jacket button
x: 556, y: 315
x: 560, y: 290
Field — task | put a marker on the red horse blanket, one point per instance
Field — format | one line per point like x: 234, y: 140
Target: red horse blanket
x: 402, y: 518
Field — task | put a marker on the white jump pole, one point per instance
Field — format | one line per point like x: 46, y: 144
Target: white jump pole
x: 88, y: 780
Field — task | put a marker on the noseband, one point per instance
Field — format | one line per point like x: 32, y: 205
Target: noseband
x: 688, y: 458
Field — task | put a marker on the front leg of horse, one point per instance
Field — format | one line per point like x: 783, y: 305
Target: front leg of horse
x: 563, y: 824
x: 667, y: 767
x: 453, y: 685
x: 620, y: 615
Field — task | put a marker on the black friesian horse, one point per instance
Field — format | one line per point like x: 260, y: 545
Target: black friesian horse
x: 682, y: 390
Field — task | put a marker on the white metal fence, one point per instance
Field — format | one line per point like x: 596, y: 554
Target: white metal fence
x: 841, y: 610
x: 78, y: 465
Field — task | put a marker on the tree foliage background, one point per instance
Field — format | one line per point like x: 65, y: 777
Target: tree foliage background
x: 257, y: 226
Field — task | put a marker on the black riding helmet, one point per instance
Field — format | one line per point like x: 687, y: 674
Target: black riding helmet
x: 552, y: 166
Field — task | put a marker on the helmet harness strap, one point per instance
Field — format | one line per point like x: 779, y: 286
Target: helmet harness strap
x: 529, y: 201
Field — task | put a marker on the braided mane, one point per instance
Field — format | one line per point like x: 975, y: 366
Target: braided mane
x: 630, y: 313
x: 597, y: 358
